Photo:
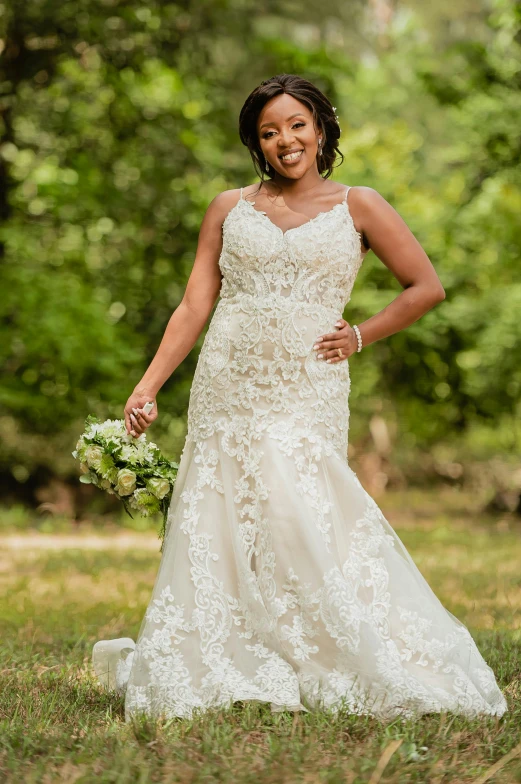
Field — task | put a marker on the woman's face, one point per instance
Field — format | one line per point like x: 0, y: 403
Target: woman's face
x: 287, y: 136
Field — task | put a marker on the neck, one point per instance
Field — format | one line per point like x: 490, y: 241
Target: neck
x: 308, y: 182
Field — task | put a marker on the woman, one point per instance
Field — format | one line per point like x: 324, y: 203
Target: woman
x: 280, y: 580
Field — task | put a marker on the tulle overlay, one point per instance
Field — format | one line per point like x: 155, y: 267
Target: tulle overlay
x: 280, y: 579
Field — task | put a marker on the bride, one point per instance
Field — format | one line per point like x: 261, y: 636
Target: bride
x: 280, y: 580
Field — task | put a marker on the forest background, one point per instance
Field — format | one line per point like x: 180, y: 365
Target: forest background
x: 118, y: 127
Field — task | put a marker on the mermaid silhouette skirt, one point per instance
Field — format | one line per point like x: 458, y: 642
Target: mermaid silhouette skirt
x: 281, y: 580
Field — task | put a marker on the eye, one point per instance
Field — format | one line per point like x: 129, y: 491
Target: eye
x: 297, y: 124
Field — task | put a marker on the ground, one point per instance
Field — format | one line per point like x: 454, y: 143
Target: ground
x: 60, y: 592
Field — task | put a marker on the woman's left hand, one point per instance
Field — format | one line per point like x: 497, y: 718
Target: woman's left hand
x: 338, y: 345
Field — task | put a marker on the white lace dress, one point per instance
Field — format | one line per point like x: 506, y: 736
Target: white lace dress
x: 281, y: 580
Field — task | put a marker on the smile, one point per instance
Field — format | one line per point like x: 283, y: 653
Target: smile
x: 290, y: 157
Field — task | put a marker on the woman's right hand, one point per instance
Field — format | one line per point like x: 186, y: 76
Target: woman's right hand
x: 136, y: 421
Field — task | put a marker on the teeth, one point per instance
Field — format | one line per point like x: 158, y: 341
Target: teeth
x: 292, y: 156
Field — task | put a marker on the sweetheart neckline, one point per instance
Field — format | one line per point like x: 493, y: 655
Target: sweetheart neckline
x: 311, y: 220
x: 295, y: 228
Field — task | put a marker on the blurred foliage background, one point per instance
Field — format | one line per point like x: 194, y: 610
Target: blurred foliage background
x: 119, y: 125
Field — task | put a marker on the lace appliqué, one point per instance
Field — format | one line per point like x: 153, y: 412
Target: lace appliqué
x: 281, y: 581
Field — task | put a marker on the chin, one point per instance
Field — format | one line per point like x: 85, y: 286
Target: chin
x: 293, y: 173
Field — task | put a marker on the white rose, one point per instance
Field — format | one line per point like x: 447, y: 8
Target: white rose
x: 84, y: 468
x: 126, y: 483
x: 160, y: 487
x: 93, y: 455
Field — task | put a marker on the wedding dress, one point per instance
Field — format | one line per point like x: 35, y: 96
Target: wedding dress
x: 281, y: 580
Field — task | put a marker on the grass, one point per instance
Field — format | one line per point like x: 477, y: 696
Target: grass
x: 61, y: 592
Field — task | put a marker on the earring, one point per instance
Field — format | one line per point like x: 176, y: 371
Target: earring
x: 320, y: 146
x: 267, y: 167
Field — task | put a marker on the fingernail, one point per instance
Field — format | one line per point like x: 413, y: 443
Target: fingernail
x: 320, y: 356
x: 328, y: 361
x: 316, y: 346
x: 338, y: 324
x: 134, y: 410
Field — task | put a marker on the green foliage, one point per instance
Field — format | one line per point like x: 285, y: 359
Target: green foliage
x: 443, y: 147
x: 119, y: 126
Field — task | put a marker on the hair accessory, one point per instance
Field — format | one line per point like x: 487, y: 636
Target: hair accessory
x: 358, y: 337
x: 336, y: 118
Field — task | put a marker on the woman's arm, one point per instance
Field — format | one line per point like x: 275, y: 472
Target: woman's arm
x: 188, y: 320
x: 387, y: 234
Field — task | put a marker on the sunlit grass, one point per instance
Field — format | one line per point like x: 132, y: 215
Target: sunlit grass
x: 61, y: 592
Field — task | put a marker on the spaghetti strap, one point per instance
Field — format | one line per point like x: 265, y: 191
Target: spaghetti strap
x: 241, y: 195
x: 348, y: 187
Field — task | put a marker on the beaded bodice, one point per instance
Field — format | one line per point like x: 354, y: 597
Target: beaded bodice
x: 280, y: 291
x: 315, y: 263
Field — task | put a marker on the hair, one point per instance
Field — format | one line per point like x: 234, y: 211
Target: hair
x: 323, y: 112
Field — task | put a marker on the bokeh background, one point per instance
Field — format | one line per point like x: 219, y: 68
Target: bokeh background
x: 119, y: 125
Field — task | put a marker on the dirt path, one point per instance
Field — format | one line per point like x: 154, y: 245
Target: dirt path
x: 88, y: 541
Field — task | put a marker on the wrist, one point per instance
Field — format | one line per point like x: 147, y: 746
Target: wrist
x: 146, y: 390
x: 358, y: 337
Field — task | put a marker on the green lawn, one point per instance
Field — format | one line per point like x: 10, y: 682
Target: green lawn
x: 62, y: 592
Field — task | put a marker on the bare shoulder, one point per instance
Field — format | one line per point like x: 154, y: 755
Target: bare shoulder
x: 365, y: 204
x: 376, y: 219
x: 369, y: 207
x: 221, y: 205
x: 365, y: 198
x: 225, y: 201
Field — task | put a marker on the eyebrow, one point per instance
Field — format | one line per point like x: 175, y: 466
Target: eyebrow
x: 298, y: 114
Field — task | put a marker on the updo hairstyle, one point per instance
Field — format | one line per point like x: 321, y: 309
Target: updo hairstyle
x: 323, y: 112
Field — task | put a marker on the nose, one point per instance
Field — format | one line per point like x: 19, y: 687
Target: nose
x: 285, y: 139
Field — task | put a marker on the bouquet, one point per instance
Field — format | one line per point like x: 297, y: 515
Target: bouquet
x: 131, y: 468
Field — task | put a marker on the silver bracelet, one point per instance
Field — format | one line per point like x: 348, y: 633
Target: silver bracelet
x: 358, y: 337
